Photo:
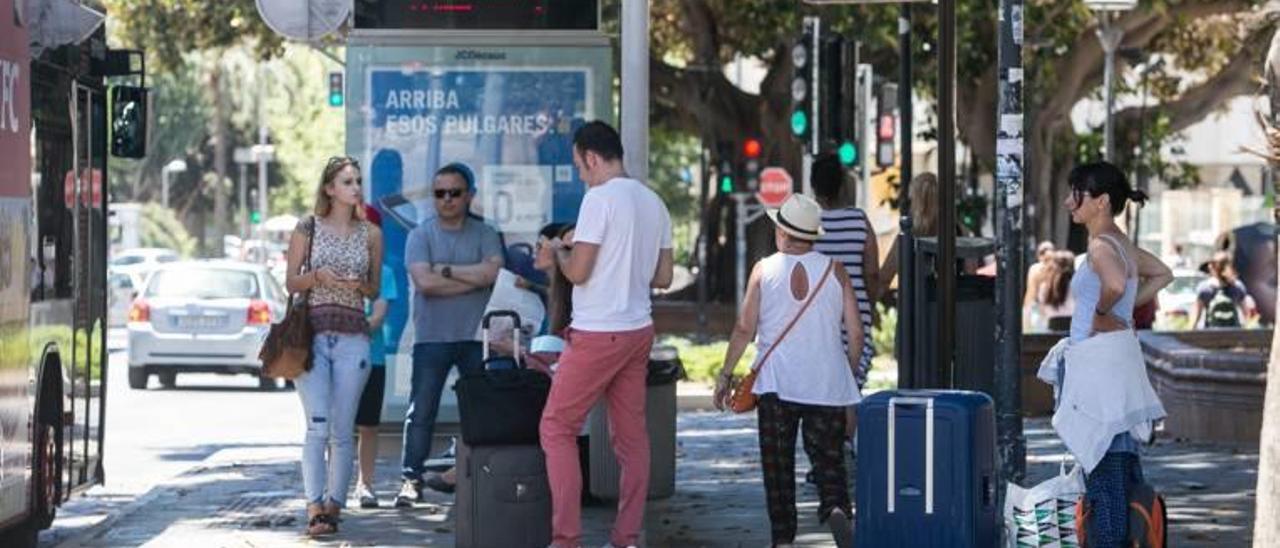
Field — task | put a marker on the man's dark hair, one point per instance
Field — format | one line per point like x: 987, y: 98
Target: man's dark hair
x: 461, y: 171
x: 827, y: 177
x: 600, y: 138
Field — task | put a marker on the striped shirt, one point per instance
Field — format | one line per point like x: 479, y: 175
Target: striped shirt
x: 845, y: 240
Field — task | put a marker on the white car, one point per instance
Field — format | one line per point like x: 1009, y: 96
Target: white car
x: 1178, y: 299
x: 141, y: 261
x: 122, y: 287
x: 202, y: 317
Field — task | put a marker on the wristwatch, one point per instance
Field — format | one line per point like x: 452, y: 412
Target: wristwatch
x: 446, y: 271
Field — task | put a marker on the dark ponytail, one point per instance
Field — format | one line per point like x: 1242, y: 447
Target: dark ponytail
x: 1100, y: 178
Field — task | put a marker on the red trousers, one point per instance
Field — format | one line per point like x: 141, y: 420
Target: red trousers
x: 595, y: 364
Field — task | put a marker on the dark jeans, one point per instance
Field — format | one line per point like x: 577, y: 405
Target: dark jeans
x: 431, y: 365
x: 1107, y: 491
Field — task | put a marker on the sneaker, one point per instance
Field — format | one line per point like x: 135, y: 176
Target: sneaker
x: 841, y: 528
x: 437, y: 483
x: 366, y: 496
x: 410, y: 492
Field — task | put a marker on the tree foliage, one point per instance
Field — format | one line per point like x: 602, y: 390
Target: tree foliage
x: 159, y: 227
x: 1210, y: 48
x: 169, y: 29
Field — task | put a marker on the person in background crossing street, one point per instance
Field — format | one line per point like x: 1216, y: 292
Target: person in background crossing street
x: 1115, y: 277
x: 848, y: 237
x: 797, y: 300
x: 345, y: 269
x: 369, y: 413
x: 620, y: 252
x: 453, y: 260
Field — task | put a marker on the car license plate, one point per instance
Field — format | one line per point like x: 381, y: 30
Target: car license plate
x: 200, y: 322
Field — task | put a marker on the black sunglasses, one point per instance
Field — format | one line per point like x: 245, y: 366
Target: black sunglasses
x: 449, y: 193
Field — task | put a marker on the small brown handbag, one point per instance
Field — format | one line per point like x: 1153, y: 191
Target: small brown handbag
x: 743, y: 400
x: 286, y: 353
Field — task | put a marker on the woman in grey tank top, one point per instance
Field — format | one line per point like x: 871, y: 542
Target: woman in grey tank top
x: 1116, y: 276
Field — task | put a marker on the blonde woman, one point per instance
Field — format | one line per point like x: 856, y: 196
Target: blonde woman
x: 924, y: 223
x: 344, y: 269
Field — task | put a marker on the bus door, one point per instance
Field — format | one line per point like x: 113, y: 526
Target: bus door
x: 88, y: 353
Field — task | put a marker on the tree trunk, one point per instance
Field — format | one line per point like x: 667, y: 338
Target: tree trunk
x: 221, y: 135
x: 1266, y: 524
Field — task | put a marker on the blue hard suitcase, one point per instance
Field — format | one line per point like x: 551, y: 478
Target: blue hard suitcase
x: 926, y: 470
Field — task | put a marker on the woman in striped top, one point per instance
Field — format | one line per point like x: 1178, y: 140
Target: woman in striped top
x: 849, y: 238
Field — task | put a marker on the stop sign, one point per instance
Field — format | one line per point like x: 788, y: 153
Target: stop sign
x: 775, y: 186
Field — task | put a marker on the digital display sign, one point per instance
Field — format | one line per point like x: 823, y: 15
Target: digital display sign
x: 477, y: 14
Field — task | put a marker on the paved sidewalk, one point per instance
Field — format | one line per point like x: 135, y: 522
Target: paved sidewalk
x: 251, y: 498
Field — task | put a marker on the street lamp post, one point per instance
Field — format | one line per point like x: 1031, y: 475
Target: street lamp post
x: 171, y: 167
x: 1110, y: 36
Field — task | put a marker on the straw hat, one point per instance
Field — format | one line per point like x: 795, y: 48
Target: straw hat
x: 799, y: 216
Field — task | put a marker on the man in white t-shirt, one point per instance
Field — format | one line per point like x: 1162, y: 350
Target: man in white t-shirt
x: 621, y: 251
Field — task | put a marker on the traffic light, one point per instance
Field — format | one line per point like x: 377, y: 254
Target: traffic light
x: 335, y: 89
x: 848, y: 153
x: 751, y: 149
x: 255, y: 217
x: 726, y: 177
x: 886, y: 124
x: 803, y: 59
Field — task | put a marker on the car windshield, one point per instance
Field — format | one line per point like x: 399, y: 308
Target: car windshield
x: 203, y: 283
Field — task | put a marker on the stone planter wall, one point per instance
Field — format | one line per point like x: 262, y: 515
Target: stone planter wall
x: 1212, y: 382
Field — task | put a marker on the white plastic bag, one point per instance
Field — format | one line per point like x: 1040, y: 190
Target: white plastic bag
x: 1044, y: 516
x: 506, y: 296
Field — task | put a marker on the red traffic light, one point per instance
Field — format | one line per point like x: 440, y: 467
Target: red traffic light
x: 887, y: 126
x: 751, y: 148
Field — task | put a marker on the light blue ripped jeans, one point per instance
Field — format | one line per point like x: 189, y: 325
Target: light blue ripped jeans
x: 330, y: 393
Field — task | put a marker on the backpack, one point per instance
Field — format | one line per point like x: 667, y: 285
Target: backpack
x: 1148, y: 518
x: 1223, y: 311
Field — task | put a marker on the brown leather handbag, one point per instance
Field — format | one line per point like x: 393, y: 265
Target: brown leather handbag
x: 286, y: 353
x: 743, y: 400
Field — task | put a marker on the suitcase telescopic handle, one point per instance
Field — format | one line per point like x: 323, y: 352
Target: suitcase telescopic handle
x: 487, y: 320
x: 927, y: 403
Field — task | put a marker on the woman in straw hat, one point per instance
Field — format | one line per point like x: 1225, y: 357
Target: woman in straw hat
x: 797, y: 302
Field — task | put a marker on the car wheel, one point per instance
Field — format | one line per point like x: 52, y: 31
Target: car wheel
x: 168, y: 380
x: 138, y: 378
x: 47, y: 466
x: 268, y: 383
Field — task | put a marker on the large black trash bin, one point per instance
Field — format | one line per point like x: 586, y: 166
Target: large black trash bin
x: 974, y: 367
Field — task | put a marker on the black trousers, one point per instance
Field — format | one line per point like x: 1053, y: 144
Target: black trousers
x: 823, y: 431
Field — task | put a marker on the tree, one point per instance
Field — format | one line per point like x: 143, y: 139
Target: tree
x: 1207, y: 44
x: 168, y: 29
x: 1266, y: 528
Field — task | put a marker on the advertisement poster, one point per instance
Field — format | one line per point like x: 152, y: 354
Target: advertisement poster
x: 507, y: 114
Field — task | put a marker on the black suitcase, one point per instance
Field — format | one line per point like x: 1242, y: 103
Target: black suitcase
x: 503, y: 497
x: 501, y: 406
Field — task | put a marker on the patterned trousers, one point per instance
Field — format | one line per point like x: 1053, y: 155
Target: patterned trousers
x: 823, y: 431
x: 1107, y: 491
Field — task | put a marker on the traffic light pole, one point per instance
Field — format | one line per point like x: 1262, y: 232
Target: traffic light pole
x: 1009, y: 291
x: 906, y: 241
x: 746, y: 213
x: 946, y: 266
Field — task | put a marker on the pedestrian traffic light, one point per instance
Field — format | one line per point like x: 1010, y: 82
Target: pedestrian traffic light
x: 726, y: 177
x: 802, y: 88
x: 335, y: 89
x: 886, y: 124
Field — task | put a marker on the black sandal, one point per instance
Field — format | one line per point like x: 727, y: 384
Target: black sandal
x: 322, y: 524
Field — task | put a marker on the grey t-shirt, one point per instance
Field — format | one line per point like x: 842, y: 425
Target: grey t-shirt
x: 455, y: 318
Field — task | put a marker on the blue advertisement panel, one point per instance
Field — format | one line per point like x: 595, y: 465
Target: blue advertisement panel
x: 507, y: 114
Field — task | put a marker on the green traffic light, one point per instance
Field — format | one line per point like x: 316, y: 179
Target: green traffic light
x: 335, y: 99
x: 848, y: 153
x: 799, y: 122
x: 726, y: 184
x: 255, y: 217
